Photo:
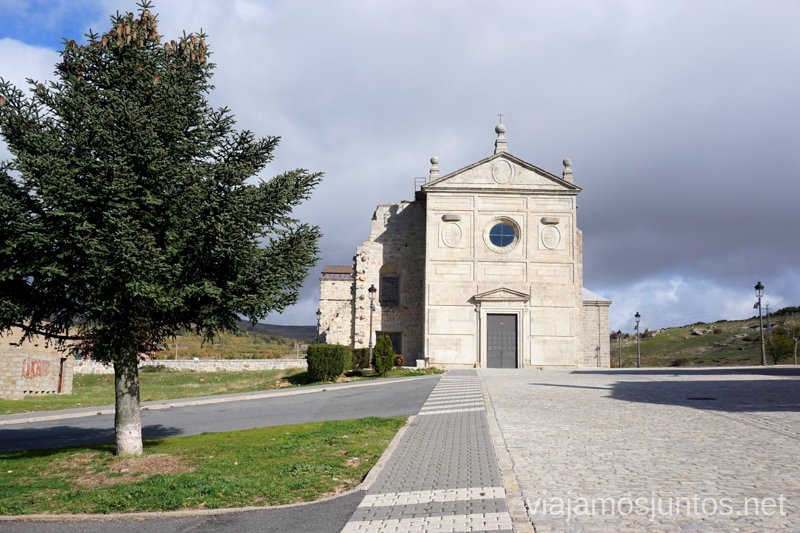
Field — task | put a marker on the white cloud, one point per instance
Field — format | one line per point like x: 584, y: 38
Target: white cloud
x: 22, y: 61
x: 678, y: 300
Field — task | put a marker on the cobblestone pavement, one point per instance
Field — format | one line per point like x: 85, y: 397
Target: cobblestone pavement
x: 651, y: 450
x: 443, y: 476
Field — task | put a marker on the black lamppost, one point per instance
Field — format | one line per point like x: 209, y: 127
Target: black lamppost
x: 759, y: 293
x: 319, y: 318
x: 637, y: 316
x: 619, y: 348
x: 372, y: 290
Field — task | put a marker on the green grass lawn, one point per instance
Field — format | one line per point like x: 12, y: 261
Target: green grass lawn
x: 263, y: 466
x: 98, y: 389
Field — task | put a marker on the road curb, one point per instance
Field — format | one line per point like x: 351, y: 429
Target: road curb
x: 148, y: 406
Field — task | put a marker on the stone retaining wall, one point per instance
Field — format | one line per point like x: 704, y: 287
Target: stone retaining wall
x: 201, y: 365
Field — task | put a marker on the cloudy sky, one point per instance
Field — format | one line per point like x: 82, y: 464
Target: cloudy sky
x: 682, y: 119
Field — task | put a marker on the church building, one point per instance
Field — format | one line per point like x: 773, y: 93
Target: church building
x: 484, y: 268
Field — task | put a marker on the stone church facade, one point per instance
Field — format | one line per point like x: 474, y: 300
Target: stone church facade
x: 484, y: 268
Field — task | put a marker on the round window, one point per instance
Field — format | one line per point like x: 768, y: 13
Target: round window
x: 502, y: 234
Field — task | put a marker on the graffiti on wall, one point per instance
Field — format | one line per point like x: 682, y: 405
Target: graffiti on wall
x: 34, y: 368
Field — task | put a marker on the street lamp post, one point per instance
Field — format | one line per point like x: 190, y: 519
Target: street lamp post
x: 759, y: 293
x: 319, y: 318
x: 372, y: 290
x: 619, y: 348
x: 637, y: 316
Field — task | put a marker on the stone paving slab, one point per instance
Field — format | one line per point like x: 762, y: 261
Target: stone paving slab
x: 657, y: 450
x: 443, y: 476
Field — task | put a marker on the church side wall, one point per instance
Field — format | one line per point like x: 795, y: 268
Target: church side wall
x: 595, y: 335
x: 396, y: 244
x: 336, y: 307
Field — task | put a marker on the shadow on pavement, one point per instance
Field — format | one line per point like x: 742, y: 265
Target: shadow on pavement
x: 718, y: 395
x: 788, y: 371
x: 26, y: 438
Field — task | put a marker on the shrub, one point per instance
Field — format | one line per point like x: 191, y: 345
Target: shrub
x: 681, y: 361
x: 779, y: 347
x: 156, y: 368
x: 398, y: 360
x: 361, y: 358
x: 717, y: 331
x: 383, y: 355
x: 326, y: 362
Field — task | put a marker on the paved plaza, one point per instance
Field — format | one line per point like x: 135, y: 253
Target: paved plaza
x: 650, y: 450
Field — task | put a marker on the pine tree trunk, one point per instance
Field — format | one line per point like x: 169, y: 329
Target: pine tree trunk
x: 127, y: 417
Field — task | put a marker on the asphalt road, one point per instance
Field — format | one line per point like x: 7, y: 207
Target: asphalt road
x: 401, y: 397
x: 325, y: 517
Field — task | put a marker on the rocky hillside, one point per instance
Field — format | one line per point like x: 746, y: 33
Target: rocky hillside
x: 726, y: 342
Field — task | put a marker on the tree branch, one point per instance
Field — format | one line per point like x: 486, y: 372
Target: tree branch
x: 29, y: 329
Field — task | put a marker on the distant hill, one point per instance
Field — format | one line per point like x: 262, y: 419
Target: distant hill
x: 306, y: 334
x: 721, y: 343
x: 264, y: 341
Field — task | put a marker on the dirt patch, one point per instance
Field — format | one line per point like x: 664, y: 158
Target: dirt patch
x: 89, y: 470
x: 76, y: 461
x: 353, y: 462
x: 160, y: 463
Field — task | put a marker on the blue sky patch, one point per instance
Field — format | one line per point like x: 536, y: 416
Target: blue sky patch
x: 46, y: 22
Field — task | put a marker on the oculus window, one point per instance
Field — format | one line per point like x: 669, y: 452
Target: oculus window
x: 502, y: 234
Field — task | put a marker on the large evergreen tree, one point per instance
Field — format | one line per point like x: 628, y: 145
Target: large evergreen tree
x: 125, y: 211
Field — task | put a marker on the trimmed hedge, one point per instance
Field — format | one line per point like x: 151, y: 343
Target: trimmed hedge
x: 326, y: 362
x: 361, y: 358
x: 383, y: 356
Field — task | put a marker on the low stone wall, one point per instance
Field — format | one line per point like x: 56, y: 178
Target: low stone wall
x: 201, y: 365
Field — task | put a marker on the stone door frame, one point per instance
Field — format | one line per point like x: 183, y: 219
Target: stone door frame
x: 502, y: 301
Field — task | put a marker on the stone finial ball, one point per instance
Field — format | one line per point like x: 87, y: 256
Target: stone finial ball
x: 567, y: 162
x: 500, y: 128
x: 434, y: 160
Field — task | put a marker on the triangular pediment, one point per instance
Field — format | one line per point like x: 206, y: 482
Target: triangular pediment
x: 502, y: 171
x: 502, y: 295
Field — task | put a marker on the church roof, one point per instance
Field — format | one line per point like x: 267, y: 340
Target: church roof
x: 504, y: 176
x: 589, y: 296
x: 337, y: 269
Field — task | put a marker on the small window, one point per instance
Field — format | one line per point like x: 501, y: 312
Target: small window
x: 502, y: 234
x: 390, y: 290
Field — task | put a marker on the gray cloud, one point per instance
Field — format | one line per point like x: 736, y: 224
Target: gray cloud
x: 681, y: 118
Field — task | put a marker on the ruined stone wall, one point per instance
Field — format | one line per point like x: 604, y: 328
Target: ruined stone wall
x: 396, y: 243
x: 336, y: 308
x: 595, y: 339
x: 32, y: 368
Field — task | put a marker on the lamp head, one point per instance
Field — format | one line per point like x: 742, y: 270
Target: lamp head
x: 759, y: 289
